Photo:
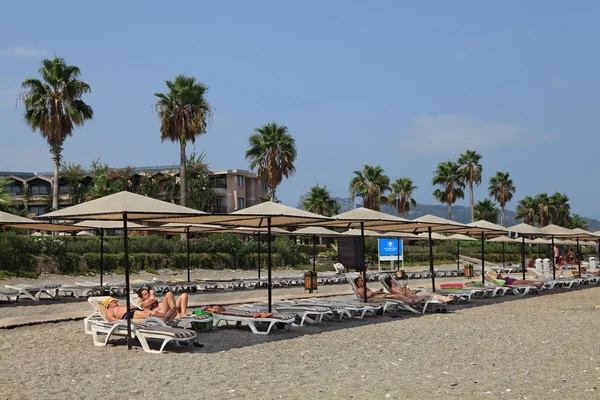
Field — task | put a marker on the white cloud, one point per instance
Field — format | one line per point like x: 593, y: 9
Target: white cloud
x: 451, y: 133
x: 23, y: 51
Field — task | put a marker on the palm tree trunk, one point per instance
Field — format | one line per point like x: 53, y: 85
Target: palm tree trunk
x: 503, y: 220
x: 272, y: 194
x: 471, y: 201
x: 55, y: 150
x: 182, y: 176
x: 449, y: 211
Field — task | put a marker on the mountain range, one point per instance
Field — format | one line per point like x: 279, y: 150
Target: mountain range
x: 459, y: 213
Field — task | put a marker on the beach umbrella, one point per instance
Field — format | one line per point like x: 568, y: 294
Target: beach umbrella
x: 431, y: 223
x: 101, y: 226
x: 258, y: 232
x: 525, y: 230
x: 314, y: 231
x: 18, y: 222
x: 124, y: 207
x: 182, y: 228
x: 554, y: 231
x: 482, y: 228
x: 581, y: 234
x: 459, y: 238
x: 503, y: 240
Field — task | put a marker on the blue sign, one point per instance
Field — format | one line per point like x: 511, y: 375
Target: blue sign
x: 389, y: 247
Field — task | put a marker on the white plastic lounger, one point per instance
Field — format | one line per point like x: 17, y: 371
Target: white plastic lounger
x: 388, y: 304
x: 34, y: 292
x: 151, y: 328
x: 10, y: 294
x: 254, y: 320
x: 341, y: 309
x: 435, y: 304
x: 312, y: 314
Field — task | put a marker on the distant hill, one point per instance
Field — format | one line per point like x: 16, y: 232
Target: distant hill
x: 459, y: 213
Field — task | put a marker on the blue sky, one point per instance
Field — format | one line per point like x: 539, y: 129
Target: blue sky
x: 401, y: 84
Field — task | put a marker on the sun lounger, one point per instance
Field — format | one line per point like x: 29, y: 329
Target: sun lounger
x: 387, y: 304
x: 491, y: 278
x: 180, y: 322
x: 97, y: 325
x: 312, y: 314
x: 10, y: 294
x: 254, y: 320
x: 433, y: 305
x: 341, y: 309
x: 459, y: 295
x: 34, y: 292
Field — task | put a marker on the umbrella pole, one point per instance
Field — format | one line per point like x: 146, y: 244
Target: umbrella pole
x: 187, y: 236
x: 578, y: 256
x: 259, y: 255
x: 362, y: 238
x: 398, y: 253
x: 458, y: 254
x: 101, y: 255
x: 483, y: 258
x: 539, y: 250
x: 431, y: 260
x: 523, y: 255
x: 553, y: 264
x: 126, y: 262
x: 314, y: 254
x: 503, y: 266
x: 269, y: 266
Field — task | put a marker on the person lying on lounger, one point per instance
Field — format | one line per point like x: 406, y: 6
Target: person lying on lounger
x: 508, y: 281
x: 116, y: 312
x: 147, y: 300
x: 419, y: 294
x: 380, y: 295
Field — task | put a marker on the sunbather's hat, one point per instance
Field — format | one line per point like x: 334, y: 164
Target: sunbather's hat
x: 107, y: 301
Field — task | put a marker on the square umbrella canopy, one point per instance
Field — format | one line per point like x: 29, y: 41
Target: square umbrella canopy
x: 122, y: 206
x: 525, y: 230
x: 16, y: 221
x: 263, y: 215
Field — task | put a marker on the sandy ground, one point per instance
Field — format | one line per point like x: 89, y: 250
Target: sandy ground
x: 530, y: 347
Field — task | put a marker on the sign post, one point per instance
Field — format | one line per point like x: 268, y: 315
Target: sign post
x: 390, y: 249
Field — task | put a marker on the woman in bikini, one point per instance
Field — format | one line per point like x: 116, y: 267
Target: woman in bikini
x: 115, y: 312
x: 148, y: 301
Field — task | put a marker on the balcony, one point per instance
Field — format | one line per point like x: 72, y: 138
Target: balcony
x: 218, y: 183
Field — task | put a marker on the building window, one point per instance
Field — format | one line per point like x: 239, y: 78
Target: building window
x: 37, y: 210
x: 262, y: 185
x: 40, y: 189
x: 240, y: 180
x: 14, y: 188
x: 240, y: 203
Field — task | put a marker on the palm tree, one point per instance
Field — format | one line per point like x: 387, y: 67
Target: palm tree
x: 273, y: 151
x: 371, y: 183
x: 402, y: 191
x: 6, y: 199
x: 53, y: 106
x: 544, y: 208
x: 319, y: 201
x: 576, y: 221
x: 449, y: 177
x: 471, y: 169
x: 184, y: 114
x: 501, y: 189
x: 561, y: 209
x: 527, y: 210
x: 486, y: 210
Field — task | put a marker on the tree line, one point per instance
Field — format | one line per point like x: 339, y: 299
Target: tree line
x: 54, y: 107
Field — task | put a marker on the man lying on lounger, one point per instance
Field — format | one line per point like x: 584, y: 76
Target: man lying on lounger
x: 116, y: 312
x: 412, y: 294
x: 379, y: 295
